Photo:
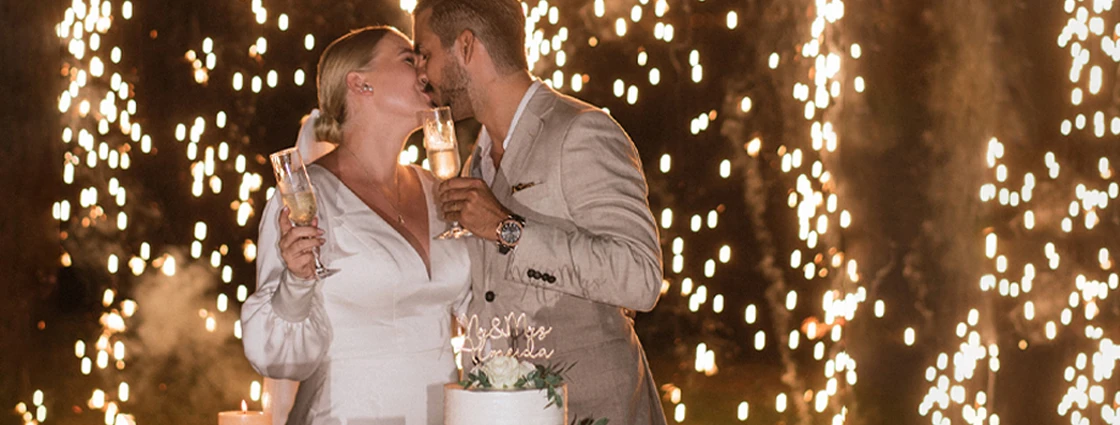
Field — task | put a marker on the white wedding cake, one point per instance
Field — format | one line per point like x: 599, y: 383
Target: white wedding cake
x: 502, y: 407
x: 504, y: 390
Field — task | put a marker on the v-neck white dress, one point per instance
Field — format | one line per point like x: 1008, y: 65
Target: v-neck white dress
x: 371, y: 344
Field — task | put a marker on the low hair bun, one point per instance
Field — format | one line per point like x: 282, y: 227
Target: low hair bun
x: 327, y: 128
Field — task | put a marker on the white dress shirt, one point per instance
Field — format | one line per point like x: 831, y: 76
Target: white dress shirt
x: 485, y: 143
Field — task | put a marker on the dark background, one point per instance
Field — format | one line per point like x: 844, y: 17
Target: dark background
x: 943, y: 77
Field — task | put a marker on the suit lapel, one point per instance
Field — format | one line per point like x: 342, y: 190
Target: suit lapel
x: 521, y: 144
x: 473, y: 167
x: 500, y: 187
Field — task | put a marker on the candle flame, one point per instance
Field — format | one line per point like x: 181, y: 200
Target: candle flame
x: 244, y: 407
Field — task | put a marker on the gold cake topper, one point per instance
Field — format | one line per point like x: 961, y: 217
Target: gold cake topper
x: 513, y: 328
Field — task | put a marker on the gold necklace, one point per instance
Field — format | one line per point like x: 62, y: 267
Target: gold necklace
x: 396, y: 184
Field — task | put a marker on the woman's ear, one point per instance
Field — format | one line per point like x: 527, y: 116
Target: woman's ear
x: 357, y: 84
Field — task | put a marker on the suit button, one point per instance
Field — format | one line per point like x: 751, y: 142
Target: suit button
x: 551, y: 279
x: 490, y: 296
x: 532, y: 274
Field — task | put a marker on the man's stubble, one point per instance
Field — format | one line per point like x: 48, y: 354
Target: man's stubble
x: 457, y: 90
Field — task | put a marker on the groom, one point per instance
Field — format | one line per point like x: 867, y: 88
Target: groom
x: 557, y: 202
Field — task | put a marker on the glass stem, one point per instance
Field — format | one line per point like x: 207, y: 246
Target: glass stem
x: 319, y: 268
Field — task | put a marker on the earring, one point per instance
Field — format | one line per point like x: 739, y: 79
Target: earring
x: 367, y: 88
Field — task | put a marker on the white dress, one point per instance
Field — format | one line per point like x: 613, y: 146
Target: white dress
x: 371, y: 344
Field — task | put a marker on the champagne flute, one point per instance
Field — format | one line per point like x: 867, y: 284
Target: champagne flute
x: 443, y: 155
x: 299, y: 196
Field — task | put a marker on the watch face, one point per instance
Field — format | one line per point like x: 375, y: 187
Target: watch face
x: 511, y: 232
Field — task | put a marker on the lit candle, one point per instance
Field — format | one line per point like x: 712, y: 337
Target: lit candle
x: 244, y: 417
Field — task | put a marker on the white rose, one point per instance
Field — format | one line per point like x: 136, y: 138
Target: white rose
x: 527, y: 368
x: 503, y: 371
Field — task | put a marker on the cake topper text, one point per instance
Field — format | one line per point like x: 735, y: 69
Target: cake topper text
x: 513, y: 328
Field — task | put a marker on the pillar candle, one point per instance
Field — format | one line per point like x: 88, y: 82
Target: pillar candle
x: 244, y: 417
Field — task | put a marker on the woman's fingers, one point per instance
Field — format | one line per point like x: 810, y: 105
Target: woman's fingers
x: 297, y: 244
x: 285, y: 223
x: 305, y: 245
x: 297, y: 234
x: 300, y: 247
x: 303, y: 232
x: 300, y: 259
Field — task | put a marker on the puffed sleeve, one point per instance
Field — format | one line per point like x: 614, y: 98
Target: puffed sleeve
x: 285, y: 328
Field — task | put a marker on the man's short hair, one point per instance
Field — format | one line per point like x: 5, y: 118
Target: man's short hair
x: 498, y: 24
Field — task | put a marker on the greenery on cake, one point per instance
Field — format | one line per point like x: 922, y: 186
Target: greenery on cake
x: 508, y: 373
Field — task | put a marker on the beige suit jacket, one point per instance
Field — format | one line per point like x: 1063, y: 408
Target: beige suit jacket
x: 588, y: 258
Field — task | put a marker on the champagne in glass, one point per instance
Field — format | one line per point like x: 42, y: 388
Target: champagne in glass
x: 298, y: 195
x: 444, y: 163
x: 301, y: 207
x: 443, y: 154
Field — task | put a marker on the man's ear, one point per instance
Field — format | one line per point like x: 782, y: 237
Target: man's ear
x: 465, y: 44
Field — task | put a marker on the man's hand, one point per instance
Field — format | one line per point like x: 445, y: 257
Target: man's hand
x: 473, y: 205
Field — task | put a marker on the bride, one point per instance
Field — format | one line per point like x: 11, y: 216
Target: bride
x: 369, y: 344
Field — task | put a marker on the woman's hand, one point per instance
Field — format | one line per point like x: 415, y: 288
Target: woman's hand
x: 297, y: 244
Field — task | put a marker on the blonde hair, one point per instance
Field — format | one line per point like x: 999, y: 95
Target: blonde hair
x: 351, y: 52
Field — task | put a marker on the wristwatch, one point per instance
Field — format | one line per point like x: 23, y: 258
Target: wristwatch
x: 509, y: 232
